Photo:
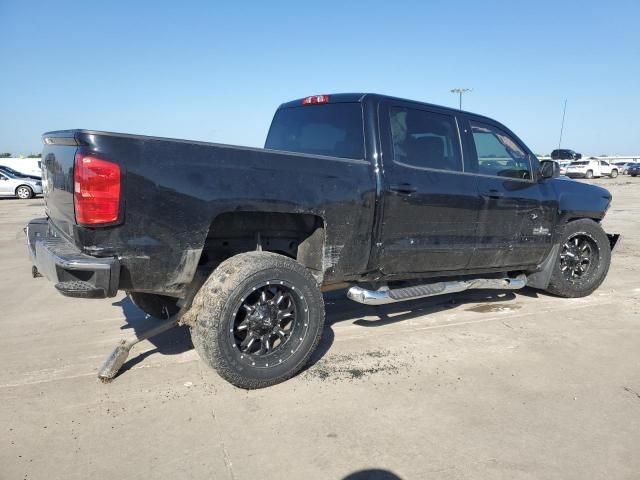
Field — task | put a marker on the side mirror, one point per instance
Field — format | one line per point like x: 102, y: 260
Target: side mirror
x: 549, y: 169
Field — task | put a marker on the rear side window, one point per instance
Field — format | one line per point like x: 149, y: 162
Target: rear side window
x: 333, y: 129
x: 425, y: 139
x: 498, y: 153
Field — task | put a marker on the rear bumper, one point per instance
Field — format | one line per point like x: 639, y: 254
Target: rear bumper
x: 576, y: 174
x: 75, y: 274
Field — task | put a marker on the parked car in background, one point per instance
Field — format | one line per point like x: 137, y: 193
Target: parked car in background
x: 24, y: 166
x: 14, y: 186
x: 623, y: 167
x: 15, y: 173
x: 633, y: 169
x: 591, y: 169
x: 563, y: 166
x: 564, y: 154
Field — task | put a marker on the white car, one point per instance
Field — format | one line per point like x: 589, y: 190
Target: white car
x: 591, y: 169
x: 563, y: 166
x: 13, y: 186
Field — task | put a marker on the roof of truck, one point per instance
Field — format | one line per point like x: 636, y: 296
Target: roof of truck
x: 360, y: 97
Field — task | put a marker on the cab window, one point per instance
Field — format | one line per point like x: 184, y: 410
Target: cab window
x: 498, y: 153
x: 425, y: 139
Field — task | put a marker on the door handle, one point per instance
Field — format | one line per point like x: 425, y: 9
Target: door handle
x: 404, y: 188
x: 493, y: 194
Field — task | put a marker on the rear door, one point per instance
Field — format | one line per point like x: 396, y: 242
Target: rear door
x: 430, y: 205
x: 517, y: 212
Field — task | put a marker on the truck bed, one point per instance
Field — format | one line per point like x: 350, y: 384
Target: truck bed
x: 174, y: 191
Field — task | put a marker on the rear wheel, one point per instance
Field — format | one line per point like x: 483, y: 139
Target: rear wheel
x: 24, y: 192
x: 583, y: 261
x: 259, y: 318
x: 589, y: 174
x: 156, y: 306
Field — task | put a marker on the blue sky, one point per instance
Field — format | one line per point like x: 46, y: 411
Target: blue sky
x: 216, y: 71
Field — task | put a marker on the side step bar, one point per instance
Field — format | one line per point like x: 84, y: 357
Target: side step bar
x: 385, y: 295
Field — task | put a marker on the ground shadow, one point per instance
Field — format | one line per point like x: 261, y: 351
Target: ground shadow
x: 172, y: 342
x: 37, y: 197
x: 338, y: 309
x: 372, y: 474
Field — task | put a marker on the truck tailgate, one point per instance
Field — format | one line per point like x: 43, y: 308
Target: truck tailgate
x: 57, y: 179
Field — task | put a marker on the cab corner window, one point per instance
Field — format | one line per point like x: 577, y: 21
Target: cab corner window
x: 425, y: 139
x: 498, y: 154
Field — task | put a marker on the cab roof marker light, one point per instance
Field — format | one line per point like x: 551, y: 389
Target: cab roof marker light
x: 315, y: 99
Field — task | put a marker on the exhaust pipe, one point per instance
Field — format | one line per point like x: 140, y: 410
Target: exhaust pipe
x: 385, y: 295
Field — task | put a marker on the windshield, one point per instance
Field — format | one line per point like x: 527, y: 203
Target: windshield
x: 10, y: 171
x: 333, y: 129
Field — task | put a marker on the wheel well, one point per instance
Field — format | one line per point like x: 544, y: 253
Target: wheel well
x: 298, y: 236
x: 23, y: 185
x: 572, y: 219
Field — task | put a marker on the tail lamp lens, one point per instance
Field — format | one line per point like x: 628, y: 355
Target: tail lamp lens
x: 96, y: 190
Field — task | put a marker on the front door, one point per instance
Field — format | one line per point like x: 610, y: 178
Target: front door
x: 430, y: 206
x: 6, y: 186
x: 517, y: 212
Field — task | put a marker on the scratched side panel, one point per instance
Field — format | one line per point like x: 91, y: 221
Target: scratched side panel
x: 174, y: 189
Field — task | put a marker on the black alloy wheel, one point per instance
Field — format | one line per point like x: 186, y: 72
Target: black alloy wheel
x: 270, y: 323
x: 579, y: 257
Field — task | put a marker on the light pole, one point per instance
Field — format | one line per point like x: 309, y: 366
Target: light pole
x: 460, y: 91
x: 564, y: 111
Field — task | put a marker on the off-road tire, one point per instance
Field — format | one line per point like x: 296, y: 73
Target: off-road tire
x: 156, y: 306
x: 24, y: 192
x: 589, y: 174
x: 559, y: 285
x: 217, y: 304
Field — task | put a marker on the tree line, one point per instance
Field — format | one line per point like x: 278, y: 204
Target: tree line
x: 9, y: 155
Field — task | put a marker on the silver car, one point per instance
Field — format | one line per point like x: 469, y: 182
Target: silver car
x: 14, y: 186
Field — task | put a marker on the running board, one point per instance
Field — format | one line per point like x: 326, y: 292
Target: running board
x: 384, y: 296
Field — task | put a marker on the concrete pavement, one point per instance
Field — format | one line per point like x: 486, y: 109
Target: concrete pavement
x: 477, y: 385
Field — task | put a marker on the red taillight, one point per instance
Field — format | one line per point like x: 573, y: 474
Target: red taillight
x: 315, y: 99
x: 96, y: 190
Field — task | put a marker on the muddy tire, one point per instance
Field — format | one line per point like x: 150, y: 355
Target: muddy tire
x: 259, y: 318
x: 583, y: 262
x: 156, y: 306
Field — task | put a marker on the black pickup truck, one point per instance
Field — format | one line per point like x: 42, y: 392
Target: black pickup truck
x: 393, y: 198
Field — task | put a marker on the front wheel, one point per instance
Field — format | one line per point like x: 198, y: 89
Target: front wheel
x: 24, y: 192
x: 614, y: 173
x: 259, y: 317
x: 583, y: 262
